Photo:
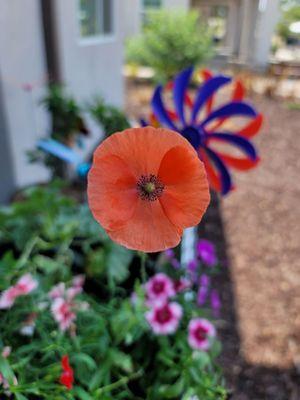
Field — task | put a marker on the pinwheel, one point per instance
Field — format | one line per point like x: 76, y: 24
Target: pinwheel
x: 205, y: 124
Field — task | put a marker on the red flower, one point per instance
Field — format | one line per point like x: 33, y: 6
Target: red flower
x: 67, y: 376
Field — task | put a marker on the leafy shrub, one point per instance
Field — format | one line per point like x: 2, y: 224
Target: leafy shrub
x: 66, y: 124
x: 110, y: 345
x: 110, y: 118
x: 171, y: 41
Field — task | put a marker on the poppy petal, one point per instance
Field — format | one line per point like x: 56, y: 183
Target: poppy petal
x: 180, y: 85
x: 160, y: 110
x: 206, y: 91
x: 213, y: 177
x: 110, y: 181
x: 186, y: 194
x: 149, y: 229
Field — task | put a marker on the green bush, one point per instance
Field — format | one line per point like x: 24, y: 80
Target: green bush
x: 110, y: 118
x: 290, y: 15
x: 171, y: 41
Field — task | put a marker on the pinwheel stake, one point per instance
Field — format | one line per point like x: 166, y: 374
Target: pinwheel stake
x: 203, y: 124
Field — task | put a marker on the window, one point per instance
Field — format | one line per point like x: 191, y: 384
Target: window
x: 95, y: 18
x: 149, y: 6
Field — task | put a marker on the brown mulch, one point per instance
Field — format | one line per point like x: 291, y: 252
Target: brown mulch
x: 257, y: 231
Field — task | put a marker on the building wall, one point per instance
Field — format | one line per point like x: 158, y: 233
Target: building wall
x: 131, y: 17
x: 268, y: 16
x: 21, y: 61
x: 89, y: 66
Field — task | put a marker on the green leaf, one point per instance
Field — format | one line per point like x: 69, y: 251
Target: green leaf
x: 46, y: 264
x: 80, y: 358
x: 81, y: 393
x: 20, y: 396
x: 117, y: 262
x: 172, y: 392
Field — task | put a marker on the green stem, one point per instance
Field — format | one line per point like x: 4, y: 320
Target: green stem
x: 143, y: 267
x: 121, y: 382
x: 27, y: 251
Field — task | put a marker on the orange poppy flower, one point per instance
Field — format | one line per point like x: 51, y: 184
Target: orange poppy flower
x: 145, y: 186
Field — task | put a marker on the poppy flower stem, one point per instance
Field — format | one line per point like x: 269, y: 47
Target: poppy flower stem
x: 143, y: 257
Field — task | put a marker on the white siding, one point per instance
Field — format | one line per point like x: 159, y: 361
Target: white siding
x: 22, y: 61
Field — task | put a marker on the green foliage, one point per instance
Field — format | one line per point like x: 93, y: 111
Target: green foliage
x: 114, y: 354
x: 110, y: 118
x: 66, y: 123
x: 64, y: 112
x: 171, y: 41
x: 289, y: 15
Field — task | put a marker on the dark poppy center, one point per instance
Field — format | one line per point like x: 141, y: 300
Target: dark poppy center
x: 163, y: 315
x: 194, y: 135
x: 158, y: 287
x: 150, y: 187
x: 201, y: 333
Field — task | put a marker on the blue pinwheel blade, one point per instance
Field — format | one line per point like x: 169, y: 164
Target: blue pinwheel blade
x: 224, y: 174
x: 181, y: 83
x: 159, y: 109
x: 231, y: 109
x: 59, y: 150
x: 206, y: 91
x: 236, y: 140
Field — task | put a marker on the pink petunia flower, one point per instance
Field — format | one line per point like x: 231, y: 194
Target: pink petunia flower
x: 159, y: 288
x: 25, y: 285
x: 57, y: 291
x: 63, y: 313
x: 201, y: 331
x: 164, y: 319
x: 181, y: 285
x: 64, y: 306
x: 207, y: 252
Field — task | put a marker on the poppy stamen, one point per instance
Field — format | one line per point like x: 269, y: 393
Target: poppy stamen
x: 150, y: 187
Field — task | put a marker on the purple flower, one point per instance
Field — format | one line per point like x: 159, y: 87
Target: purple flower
x: 207, y: 252
x: 215, y: 302
x: 175, y: 263
x: 202, y: 295
x: 169, y: 253
x: 203, y: 290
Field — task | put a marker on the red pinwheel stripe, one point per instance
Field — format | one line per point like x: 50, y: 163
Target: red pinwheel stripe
x: 241, y: 164
x: 252, y: 128
x: 238, y: 91
x: 213, y: 178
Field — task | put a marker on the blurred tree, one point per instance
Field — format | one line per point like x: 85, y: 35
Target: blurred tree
x: 171, y: 41
x: 290, y: 14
